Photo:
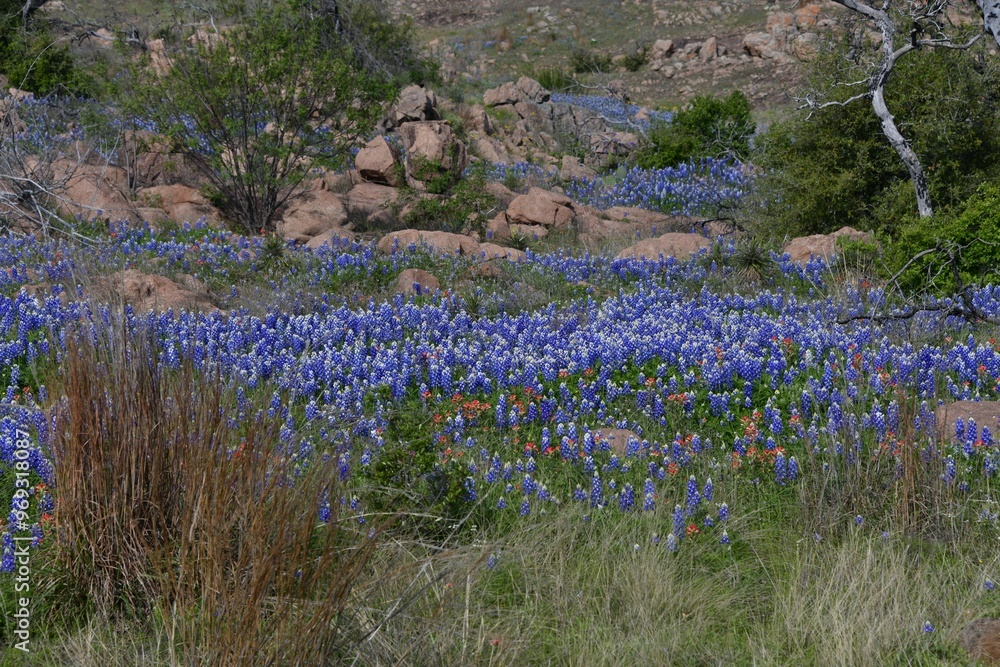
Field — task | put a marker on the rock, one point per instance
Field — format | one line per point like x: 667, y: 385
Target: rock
x: 416, y: 103
x: 498, y: 228
x: 492, y: 251
x: 532, y: 91
x: 572, y: 169
x: 805, y: 46
x: 708, y: 50
x: 672, y: 244
x: 377, y: 162
x: 431, y: 149
x: 540, y: 207
x: 525, y: 90
x: 158, y: 59
x: 760, y: 45
x: 983, y: 413
x: 416, y: 282
x: 182, y: 203
x: 144, y: 292
x: 444, y: 243
x: 531, y: 232
x: 315, y: 211
x: 369, y: 198
x: 94, y: 192
x: 618, y: 438
x: 981, y: 639
x: 806, y: 17
x: 154, y: 216
x: 662, y: 49
x: 821, y: 246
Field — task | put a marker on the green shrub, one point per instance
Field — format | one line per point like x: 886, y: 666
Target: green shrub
x: 30, y: 59
x: 633, y: 62
x: 836, y: 167
x: 555, y: 80
x: 451, y: 214
x: 584, y: 60
x: 708, y: 127
x: 971, y: 237
x: 283, y: 93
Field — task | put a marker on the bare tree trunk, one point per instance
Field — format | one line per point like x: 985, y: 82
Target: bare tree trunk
x: 991, y: 17
x: 889, y: 128
x: 30, y: 6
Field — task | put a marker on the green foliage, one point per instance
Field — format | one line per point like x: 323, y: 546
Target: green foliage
x: 32, y: 61
x: 280, y: 94
x: 836, y: 168
x: 634, y: 61
x: 585, y: 60
x: 708, y: 127
x: 555, y: 80
x: 451, y: 213
x: 971, y: 237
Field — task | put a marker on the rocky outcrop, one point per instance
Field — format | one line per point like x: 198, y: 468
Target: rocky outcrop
x: 443, y: 243
x: 93, y: 192
x: 788, y: 35
x: 673, y: 244
x: 415, y: 103
x: 540, y: 207
x: 378, y: 162
x: 181, y: 203
x: 493, y: 251
x: 432, y: 149
x: 821, y: 246
x: 524, y: 91
x: 314, y: 212
x: 144, y: 292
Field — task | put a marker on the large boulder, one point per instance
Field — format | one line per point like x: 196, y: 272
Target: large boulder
x: 541, y: 207
x: 673, y: 244
x: 432, y: 149
x: 370, y: 198
x: 377, y: 162
x: 821, y: 246
x: 93, y: 192
x: 443, y: 243
x: 182, y: 203
x: 525, y: 90
x: 416, y: 282
x: 144, y: 292
x: 314, y: 212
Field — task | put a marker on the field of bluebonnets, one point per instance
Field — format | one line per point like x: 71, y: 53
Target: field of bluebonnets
x: 579, y: 460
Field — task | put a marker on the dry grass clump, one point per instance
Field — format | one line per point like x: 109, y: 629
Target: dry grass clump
x: 168, y: 505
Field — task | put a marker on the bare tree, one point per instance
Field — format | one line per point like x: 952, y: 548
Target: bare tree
x: 929, y: 26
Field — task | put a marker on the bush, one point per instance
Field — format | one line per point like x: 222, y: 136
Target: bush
x: 451, y: 213
x: 836, y: 167
x: 708, y: 127
x: 554, y: 80
x: 279, y: 94
x: 584, y: 60
x: 30, y: 60
x: 971, y: 237
x: 634, y: 61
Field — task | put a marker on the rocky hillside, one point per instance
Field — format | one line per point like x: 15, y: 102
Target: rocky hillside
x: 690, y: 46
